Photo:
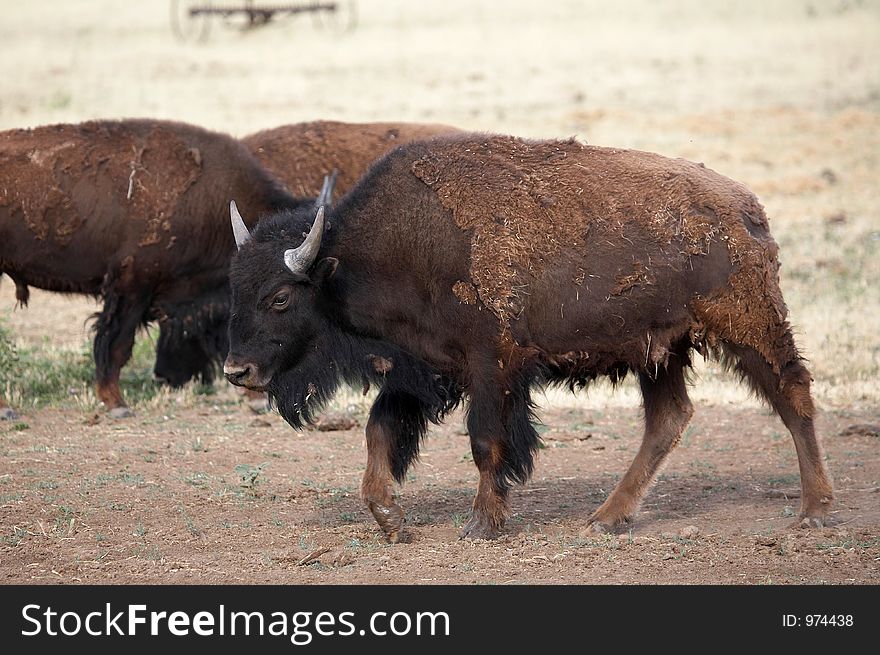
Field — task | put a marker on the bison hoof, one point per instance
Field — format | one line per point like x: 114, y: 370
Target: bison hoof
x: 8, y: 414
x: 121, y: 412
x: 810, y: 522
x: 597, y: 525
x: 480, y: 527
x: 390, y: 519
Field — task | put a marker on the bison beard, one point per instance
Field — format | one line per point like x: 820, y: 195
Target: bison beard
x: 336, y: 358
x: 504, y: 264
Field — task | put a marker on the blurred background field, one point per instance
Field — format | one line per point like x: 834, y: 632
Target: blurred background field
x: 783, y: 96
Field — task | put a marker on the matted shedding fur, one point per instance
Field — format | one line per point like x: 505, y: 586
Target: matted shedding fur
x: 299, y: 155
x: 525, y: 201
x: 60, y: 176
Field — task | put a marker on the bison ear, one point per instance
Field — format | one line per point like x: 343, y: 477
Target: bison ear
x: 239, y: 229
x: 324, y: 269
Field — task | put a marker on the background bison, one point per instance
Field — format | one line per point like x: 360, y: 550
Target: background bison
x: 300, y: 155
x: 505, y: 264
x: 128, y: 211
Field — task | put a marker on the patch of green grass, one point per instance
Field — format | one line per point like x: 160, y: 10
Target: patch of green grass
x: 197, y: 479
x: 784, y: 480
x: 332, y: 496
x: 64, y: 519
x: 188, y: 521
x: 249, y: 474
x: 18, y: 534
x: 850, y: 543
x: 460, y: 518
x: 126, y: 478
x: 45, y: 375
x: 8, y: 359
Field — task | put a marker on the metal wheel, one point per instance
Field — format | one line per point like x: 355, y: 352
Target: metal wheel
x: 187, y: 23
x: 344, y: 19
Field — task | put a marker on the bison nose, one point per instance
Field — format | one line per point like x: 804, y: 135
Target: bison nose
x: 236, y: 373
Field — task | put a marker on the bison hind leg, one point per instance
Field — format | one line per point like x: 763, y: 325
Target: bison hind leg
x: 503, y: 443
x: 668, y: 410
x: 787, y: 391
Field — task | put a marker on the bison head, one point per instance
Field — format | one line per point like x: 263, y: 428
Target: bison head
x: 192, y: 333
x: 276, y: 279
x: 179, y: 360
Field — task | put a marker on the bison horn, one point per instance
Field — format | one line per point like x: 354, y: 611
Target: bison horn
x: 326, y: 196
x: 299, y: 259
x: 239, y: 229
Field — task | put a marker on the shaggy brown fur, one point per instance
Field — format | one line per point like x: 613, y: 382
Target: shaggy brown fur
x: 529, y: 204
x: 301, y: 154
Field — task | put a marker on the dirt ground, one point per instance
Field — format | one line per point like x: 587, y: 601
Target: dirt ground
x: 211, y: 494
x: 783, y: 96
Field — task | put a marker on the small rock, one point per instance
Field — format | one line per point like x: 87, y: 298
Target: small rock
x: 689, y: 532
x: 765, y: 540
x: 258, y: 405
x: 343, y: 559
x: 334, y: 421
x: 828, y: 175
x: 121, y: 412
x: 8, y: 414
x: 260, y: 423
x: 92, y: 419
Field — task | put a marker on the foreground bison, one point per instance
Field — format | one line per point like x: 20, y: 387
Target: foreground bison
x: 133, y: 212
x: 501, y: 264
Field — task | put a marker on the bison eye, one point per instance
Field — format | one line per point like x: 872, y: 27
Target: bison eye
x: 281, y: 300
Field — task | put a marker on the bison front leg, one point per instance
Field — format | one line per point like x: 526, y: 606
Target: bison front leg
x: 396, y: 425
x: 114, y: 339
x: 667, y: 413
